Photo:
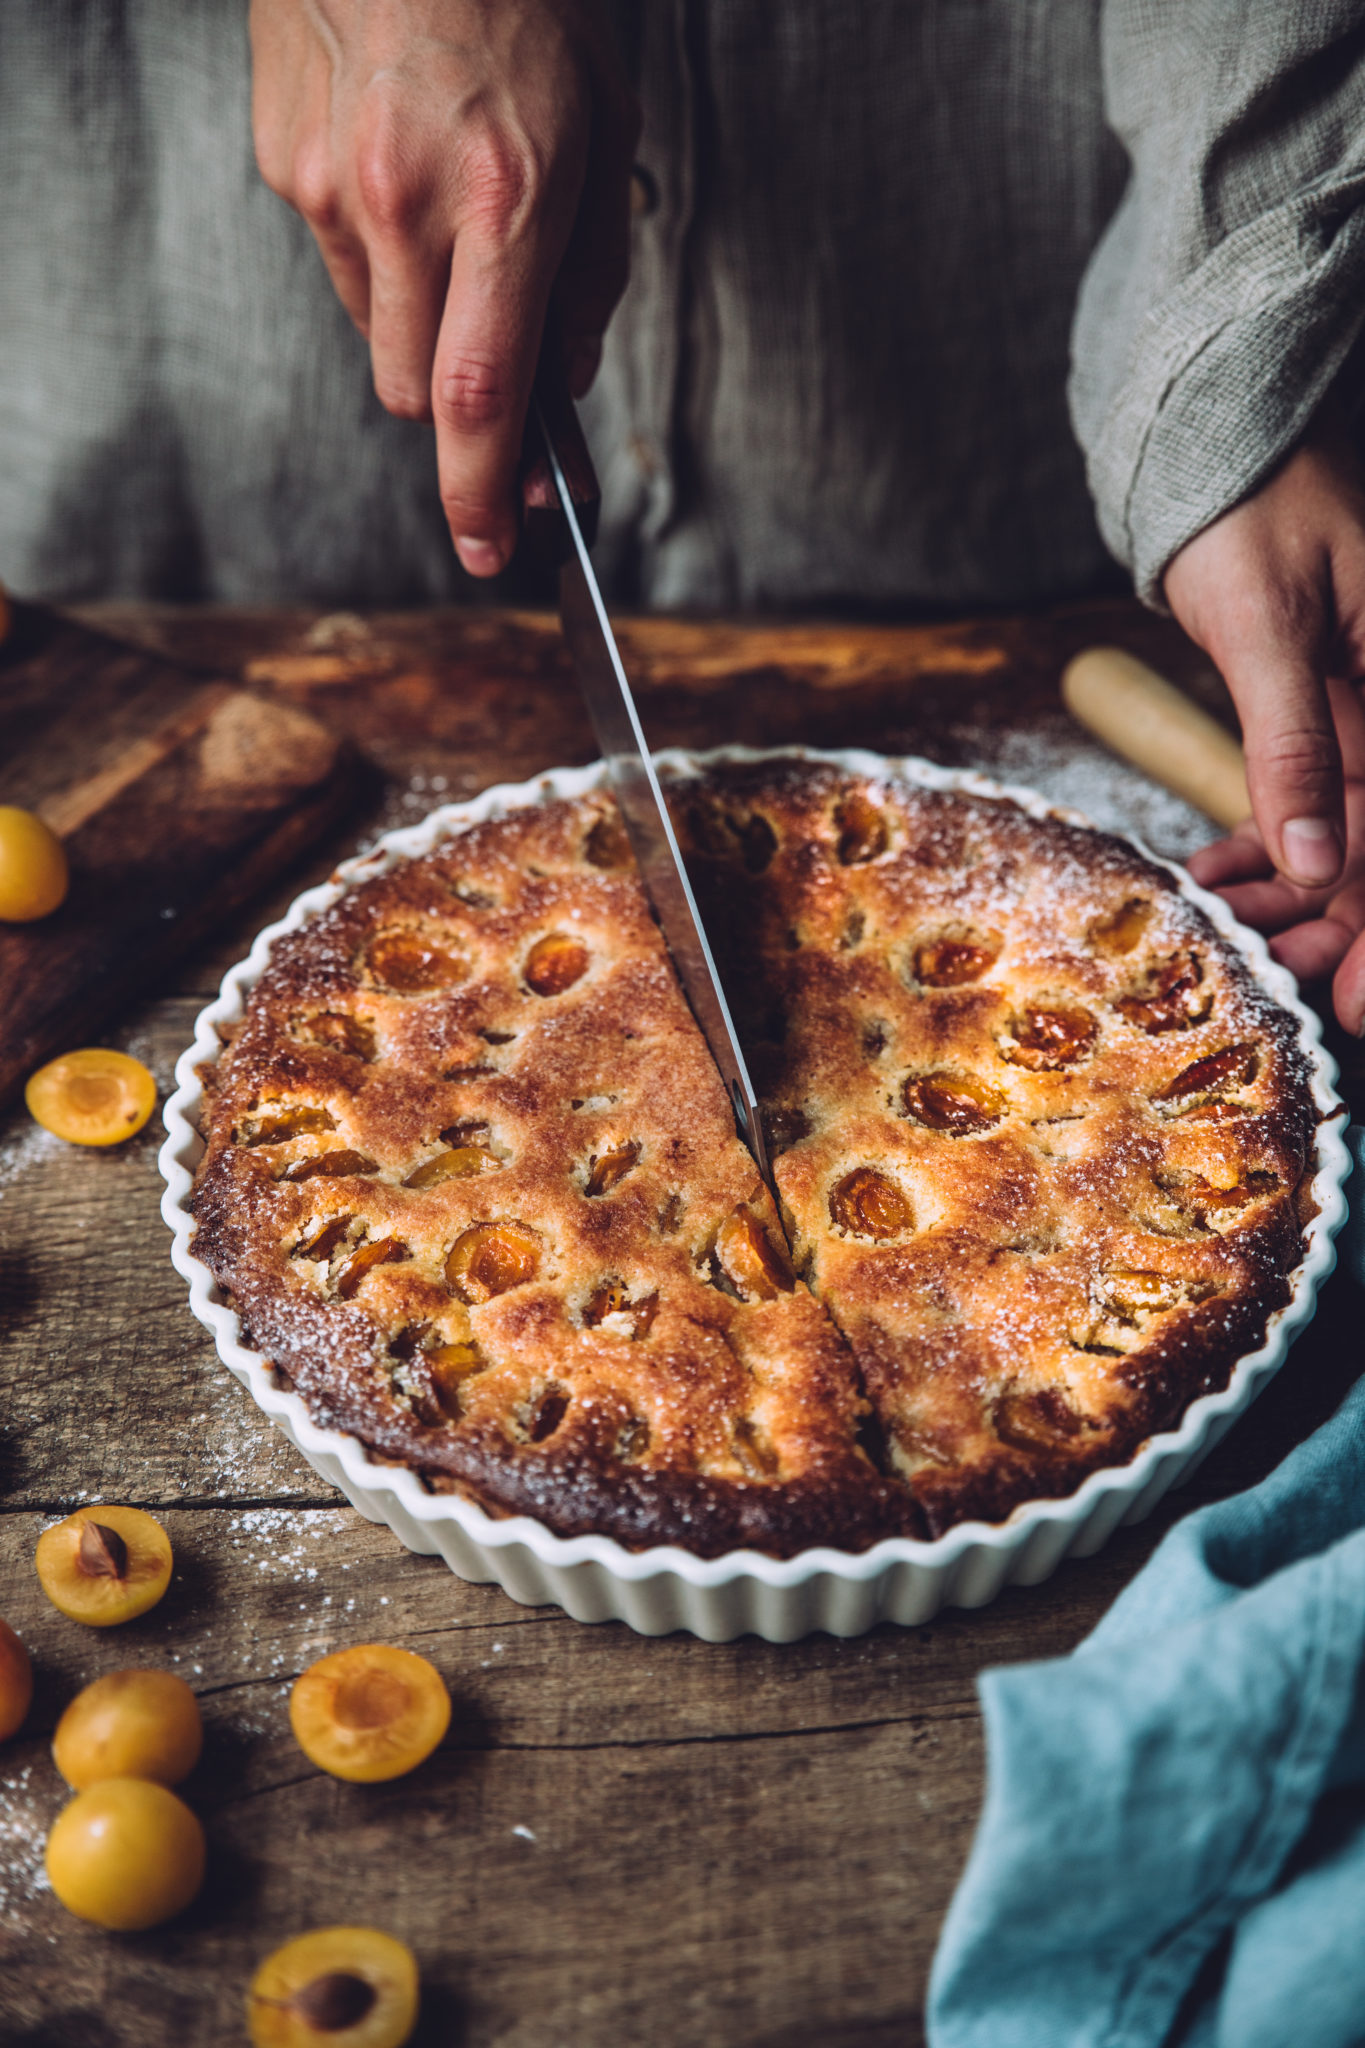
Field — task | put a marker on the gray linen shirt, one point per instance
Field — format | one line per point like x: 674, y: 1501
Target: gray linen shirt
x: 885, y: 232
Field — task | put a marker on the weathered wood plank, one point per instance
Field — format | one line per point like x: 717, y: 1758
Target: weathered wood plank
x: 726, y: 1842
x: 175, y: 798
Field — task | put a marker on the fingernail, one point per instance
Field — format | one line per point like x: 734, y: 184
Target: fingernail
x: 480, y: 557
x: 1312, y: 851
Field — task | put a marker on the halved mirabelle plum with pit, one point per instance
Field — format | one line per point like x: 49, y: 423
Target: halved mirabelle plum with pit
x: 490, y: 1258
x: 750, y: 1260
x: 129, y: 1724
x: 16, y: 1682
x: 1047, y: 1036
x: 410, y: 964
x: 370, y: 1713
x: 555, y: 963
x: 348, y: 1986
x: 958, y: 1104
x: 92, y: 1097
x: 33, y: 870
x: 104, y: 1565
x: 869, y: 1204
x: 955, y: 959
x: 126, y: 1854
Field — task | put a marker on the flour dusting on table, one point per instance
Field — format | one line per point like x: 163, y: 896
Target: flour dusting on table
x: 26, y: 1813
x: 1061, y: 762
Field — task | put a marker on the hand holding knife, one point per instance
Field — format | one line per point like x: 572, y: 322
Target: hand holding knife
x: 560, y: 492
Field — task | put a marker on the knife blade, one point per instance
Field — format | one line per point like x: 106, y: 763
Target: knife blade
x: 635, y: 784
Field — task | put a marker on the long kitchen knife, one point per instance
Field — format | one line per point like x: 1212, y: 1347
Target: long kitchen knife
x: 616, y: 722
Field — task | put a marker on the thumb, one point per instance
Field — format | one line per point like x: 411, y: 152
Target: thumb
x: 1294, y: 771
x: 1268, y: 625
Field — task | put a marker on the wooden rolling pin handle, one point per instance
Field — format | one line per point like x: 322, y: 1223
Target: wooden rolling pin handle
x: 1159, y: 729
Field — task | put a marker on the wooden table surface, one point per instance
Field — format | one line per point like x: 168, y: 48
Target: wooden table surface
x: 621, y: 1840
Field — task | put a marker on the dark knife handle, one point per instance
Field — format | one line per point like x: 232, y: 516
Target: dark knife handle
x: 545, y: 531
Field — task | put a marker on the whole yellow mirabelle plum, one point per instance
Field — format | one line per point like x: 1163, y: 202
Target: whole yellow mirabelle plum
x: 125, y: 1854
x: 129, y: 1724
x: 33, y: 873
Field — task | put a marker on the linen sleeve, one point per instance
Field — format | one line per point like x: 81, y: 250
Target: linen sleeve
x: 1229, y: 287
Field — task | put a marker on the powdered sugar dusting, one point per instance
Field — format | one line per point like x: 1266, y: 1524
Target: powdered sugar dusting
x: 26, y: 1812
x: 1064, y: 764
x: 29, y: 1146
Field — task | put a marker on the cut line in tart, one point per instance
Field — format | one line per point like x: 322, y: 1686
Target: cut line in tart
x: 1042, y: 1150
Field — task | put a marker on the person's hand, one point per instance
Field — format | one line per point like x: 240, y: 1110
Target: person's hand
x: 1274, y: 591
x: 459, y: 161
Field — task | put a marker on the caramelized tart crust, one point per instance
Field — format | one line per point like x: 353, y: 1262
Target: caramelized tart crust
x: 1041, y: 1144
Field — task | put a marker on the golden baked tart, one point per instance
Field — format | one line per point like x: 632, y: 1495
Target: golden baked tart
x: 1042, y: 1148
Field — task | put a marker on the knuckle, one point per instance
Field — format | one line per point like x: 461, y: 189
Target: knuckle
x: 473, y: 393
x: 314, y: 187
x: 501, y: 185
x: 1295, y: 610
x: 1298, y: 754
x: 391, y: 197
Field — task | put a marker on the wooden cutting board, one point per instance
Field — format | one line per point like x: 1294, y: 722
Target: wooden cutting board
x: 177, y: 795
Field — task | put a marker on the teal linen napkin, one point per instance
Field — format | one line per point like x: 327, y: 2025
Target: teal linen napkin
x: 1172, y: 1847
